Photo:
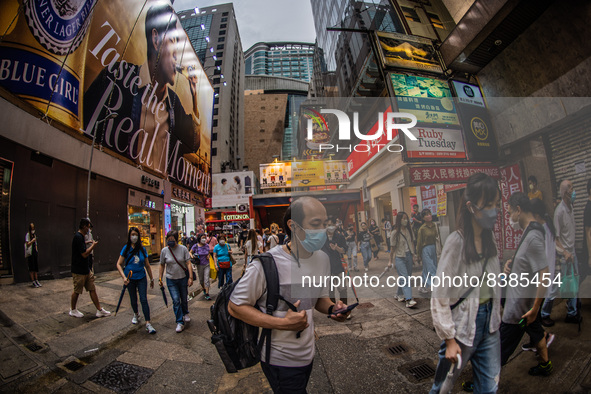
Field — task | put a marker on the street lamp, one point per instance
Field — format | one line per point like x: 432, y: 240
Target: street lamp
x: 109, y: 116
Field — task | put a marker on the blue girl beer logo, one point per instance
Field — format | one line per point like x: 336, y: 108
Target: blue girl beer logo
x: 59, y: 25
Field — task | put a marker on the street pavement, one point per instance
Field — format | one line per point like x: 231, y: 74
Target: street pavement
x: 385, y: 347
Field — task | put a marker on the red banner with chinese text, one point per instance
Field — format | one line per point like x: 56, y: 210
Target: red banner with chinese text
x: 510, y: 183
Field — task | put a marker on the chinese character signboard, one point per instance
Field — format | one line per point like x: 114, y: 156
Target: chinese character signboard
x: 468, y: 94
x: 441, y: 201
x: 428, y: 99
x: 510, y: 183
x: 460, y: 174
x: 429, y: 198
x: 402, y: 51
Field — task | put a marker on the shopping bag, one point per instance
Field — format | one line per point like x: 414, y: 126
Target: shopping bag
x: 213, y: 272
x: 570, y: 283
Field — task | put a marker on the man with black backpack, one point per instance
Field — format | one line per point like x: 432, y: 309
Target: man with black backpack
x: 288, y: 328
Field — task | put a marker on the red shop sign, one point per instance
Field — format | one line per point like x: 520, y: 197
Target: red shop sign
x: 460, y: 174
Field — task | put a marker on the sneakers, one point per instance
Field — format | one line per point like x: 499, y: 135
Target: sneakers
x: 103, y: 313
x: 76, y: 313
x: 135, y: 318
x: 34, y: 284
x: 400, y: 298
x: 547, y: 322
x: 542, y: 369
x: 532, y: 348
x: 150, y: 329
x: 180, y: 327
x: 38, y: 283
x: 423, y: 290
x: 410, y: 303
x: 366, y: 269
x: 356, y: 269
x: 207, y: 297
x: 186, y: 318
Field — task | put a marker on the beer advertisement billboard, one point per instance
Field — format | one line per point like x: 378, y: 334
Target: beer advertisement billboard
x: 80, y: 62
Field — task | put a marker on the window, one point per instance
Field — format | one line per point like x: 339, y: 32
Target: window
x: 224, y: 14
x: 410, y: 14
x: 262, y: 130
x: 220, y: 54
x: 221, y: 39
x: 262, y: 140
x: 224, y: 19
x: 216, y: 81
x: 223, y: 26
x: 215, y: 111
x: 221, y: 46
x: 217, y: 72
x: 216, y: 100
x: 262, y: 108
x: 214, y: 136
x: 214, y: 123
x: 214, y: 151
x: 435, y: 20
x: 218, y: 63
x: 222, y: 32
x: 262, y: 120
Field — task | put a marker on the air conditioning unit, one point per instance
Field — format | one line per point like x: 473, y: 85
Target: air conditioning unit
x: 241, y: 207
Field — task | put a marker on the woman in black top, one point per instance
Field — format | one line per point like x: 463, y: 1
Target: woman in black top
x: 377, y: 236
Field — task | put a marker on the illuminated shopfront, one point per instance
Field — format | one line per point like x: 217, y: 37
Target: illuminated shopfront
x: 145, y: 212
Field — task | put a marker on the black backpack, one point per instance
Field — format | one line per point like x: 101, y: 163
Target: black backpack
x: 237, y: 342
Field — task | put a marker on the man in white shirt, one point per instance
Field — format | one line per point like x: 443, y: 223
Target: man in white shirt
x: 291, y: 357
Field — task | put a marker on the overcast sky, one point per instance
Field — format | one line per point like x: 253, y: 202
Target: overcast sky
x: 266, y: 20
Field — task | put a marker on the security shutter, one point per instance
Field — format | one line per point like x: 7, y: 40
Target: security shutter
x: 571, y: 159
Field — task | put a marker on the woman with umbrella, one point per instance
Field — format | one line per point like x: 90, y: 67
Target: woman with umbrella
x: 134, y: 258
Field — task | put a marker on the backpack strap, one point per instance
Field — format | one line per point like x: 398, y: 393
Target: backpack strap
x: 273, y: 297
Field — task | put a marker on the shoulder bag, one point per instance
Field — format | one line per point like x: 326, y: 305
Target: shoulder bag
x: 184, y: 269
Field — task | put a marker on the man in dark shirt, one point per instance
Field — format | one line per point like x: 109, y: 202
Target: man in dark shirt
x: 335, y: 247
x: 364, y: 238
x: 82, y: 274
x: 281, y: 236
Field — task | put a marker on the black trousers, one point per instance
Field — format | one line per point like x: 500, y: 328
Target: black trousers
x: 287, y: 380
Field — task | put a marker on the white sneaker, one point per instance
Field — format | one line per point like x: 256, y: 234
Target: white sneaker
x: 180, y: 327
x: 38, y: 284
x: 186, y: 318
x: 76, y: 313
x: 103, y: 313
x: 135, y: 319
x: 366, y: 269
x: 150, y: 329
x: 410, y: 303
x: 423, y: 290
x: 400, y: 298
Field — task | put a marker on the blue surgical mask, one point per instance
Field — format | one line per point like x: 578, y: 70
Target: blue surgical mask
x: 315, y: 240
x: 573, y: 196
x: 171, y: 244
x: 487, y: 219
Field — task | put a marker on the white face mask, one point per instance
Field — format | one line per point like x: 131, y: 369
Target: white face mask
x: 514, y: 224
x: 222, y: 242
x: 203, y: 241
x: 133, y: 238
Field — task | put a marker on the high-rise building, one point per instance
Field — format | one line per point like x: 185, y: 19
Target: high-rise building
x: 214, y: 35
x: 281, y: 59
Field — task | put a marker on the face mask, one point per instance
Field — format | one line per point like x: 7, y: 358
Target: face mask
x: 32, y: 231
x: 531, y: 187
x: 514, y: 224
x: 572, y: 197
x: 171, y: 244
x: 222, y: 242
x: 331, y: 228
x: 133, y: 239
x: 404, y: 222
x: 203, y: 241
x: 487, y: 219
x: 315, y: 240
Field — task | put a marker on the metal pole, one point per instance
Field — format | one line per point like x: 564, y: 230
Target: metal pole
x: 109, y: 116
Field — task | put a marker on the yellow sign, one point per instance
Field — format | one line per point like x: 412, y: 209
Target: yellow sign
x: 307, y: 173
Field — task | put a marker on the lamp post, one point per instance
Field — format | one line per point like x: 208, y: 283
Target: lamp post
x: 109, y: 116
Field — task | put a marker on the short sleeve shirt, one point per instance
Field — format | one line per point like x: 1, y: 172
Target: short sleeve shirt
x: 174, y: 270
x: 286, y: 349
x: 79, y: 264
x: 222, y: 252
x: 202, y: 253
x: 134, y: 262
x: 529, y: 259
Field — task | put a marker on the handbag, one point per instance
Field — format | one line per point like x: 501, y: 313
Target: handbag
x: 373, y: 244
x: 213, y: 272
x: 184, y: 269
x: 570, y: 283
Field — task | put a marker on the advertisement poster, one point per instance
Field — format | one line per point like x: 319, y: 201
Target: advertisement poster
x: 435, y: 143
x: 147, y: 94
x: 478, y: 132
x: 468, y: 94
x: 307, y: 173
x: 232, y: 188
x: 429, y: 198
x: 275, y: 175
x: 402, y: 51
x: 510, y: 183
x: 320, y: 131
x: 458, y: 174
x: 430, y: 100
x: 441, y: 201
